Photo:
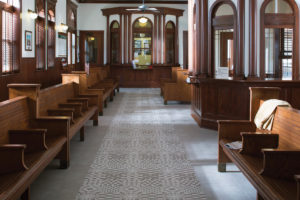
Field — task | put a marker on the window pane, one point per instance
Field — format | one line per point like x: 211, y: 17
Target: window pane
x: 224, y: 9
x: 7, y: 41
x: 279, y: 6
x: 73, y: 48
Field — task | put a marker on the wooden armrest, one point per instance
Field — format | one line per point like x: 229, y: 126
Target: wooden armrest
x: 231, y: 129
x: 34, y: 139
x: 77, y: 108
x: 92, y: 98
x: 84, y: 101
x: 62, y: 112
x: 279, y: 163
x: 12, y: 158
x: 254, y: 142
x: 56, y: 126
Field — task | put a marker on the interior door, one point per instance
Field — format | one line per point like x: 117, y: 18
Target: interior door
x: 91, y: 48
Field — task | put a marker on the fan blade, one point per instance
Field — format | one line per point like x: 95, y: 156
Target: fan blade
x: 153, y: 9
x: 133, y: 9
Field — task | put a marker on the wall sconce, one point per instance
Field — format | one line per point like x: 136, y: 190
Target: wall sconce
x: 143, y: 20
x: 32, y: 14
x: 64, y: 27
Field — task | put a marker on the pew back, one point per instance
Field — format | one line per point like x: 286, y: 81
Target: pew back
x: 15, y: 114
x: 50, y: 97
x: 287, y: 125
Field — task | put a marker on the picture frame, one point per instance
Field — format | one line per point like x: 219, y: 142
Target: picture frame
x: 28, y: 40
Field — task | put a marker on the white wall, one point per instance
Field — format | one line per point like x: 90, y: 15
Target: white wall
x: 91, y: 18
x: 28, y: 24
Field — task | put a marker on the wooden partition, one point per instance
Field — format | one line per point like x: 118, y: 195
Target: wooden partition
x: 130, y: 77
x: 214, y: 99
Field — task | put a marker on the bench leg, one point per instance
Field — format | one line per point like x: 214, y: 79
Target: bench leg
x: 165, y: 102
x: 64, y: 156
x: 95, y: 119
x: 105, y: 103
x: 100, y: 113
x: 118, y: 89
x: 82, y: 134
x: 26, y: 194
x: 258, y: 197
x: 114, y: 91
x: 111, y: 97
x: 221, y: 167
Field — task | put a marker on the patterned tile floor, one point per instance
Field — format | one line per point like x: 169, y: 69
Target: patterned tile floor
x: 143, y: 149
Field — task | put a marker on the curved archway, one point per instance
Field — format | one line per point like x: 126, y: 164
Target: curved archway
x: 142, y: 33
x: 223, y: 46
x: 278, y: 25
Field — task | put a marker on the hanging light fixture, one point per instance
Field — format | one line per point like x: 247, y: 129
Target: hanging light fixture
x: 32, y: 14
x: 143, y: 20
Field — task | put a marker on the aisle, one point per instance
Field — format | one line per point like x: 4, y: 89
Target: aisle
x: 141, y: 156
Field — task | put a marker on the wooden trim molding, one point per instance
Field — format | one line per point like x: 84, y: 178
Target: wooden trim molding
x: 129, y: 39
x: 164, y: 40
x: 161, y: 10
x: 121, y: 41
x: 253, y: 41
x: 176, y: 42
x: 203, y: 38
x: 281, y: 21
x: 108, y: 40
x: 131, y: 2
x: 125, y: 39
x: 239, y: 72
x: 159, y: 39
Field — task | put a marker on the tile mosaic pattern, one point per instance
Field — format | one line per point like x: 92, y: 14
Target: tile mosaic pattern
x: 141, y: 157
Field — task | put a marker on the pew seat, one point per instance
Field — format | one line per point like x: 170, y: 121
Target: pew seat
x: 27, y: 145
x: 268, y: 159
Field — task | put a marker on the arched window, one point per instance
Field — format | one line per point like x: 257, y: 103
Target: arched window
x: 279, y: 36
x: 223, y: 42
x: 40, y: 36
x: 170, y: 43
x: 142, y: 41
x: 115, y: 42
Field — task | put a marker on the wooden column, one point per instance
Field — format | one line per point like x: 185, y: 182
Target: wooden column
x: 203, y: 33
x: 125, y: 39
x: 154, y: 53
x: 164, y: 39
x: 129, y: 39
x: 253, y: 42
x: 107, y: 40
x: 121, y: 32
x: 176, y: 42
x: 159, y: 39
x: 239, y: 71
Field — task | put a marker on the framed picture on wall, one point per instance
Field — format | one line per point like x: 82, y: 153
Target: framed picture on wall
x: 28, y: 41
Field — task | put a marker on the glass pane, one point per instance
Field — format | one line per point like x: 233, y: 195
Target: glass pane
x: 170, y: 25
x: 170, y: 53
x: 278, y: 53
x: 115, y: 43
x: 115, y: 25
x: 142, y: 57
x: 69, y: 48
x: 279, y: 6
x: 224, y: 9
x: 73, y: 48
x: 224, y: 53
x: 138, y: 24
x: 91, y: 49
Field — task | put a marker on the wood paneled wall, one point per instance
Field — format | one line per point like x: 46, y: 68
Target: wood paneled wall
x: 214, y: 100
x: 29, y: 74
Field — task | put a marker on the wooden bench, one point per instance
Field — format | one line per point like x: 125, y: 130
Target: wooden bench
x: 87, y: 86
x: 104, y: 75
x: 173, y: 79
x: 27, y: 145
x: 61, y: 100
x: 179, y: 90
x: 270, y: 159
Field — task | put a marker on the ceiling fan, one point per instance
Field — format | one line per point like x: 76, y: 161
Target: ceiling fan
x: 143, y: 8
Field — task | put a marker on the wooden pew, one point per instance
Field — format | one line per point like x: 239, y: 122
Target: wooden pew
x: 104, y: 78
x: 270, y: 160
x: 173, y: 79
x: 85, y: 83
x: 28, y: 145
x: 61, y: 100
x: 179, y: 90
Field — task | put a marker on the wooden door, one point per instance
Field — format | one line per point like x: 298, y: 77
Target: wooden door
x: 91, y: 48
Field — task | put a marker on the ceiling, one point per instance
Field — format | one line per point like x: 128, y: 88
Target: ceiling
x: 135, y: 1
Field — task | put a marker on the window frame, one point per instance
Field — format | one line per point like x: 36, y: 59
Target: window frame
x: 17, y: 29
